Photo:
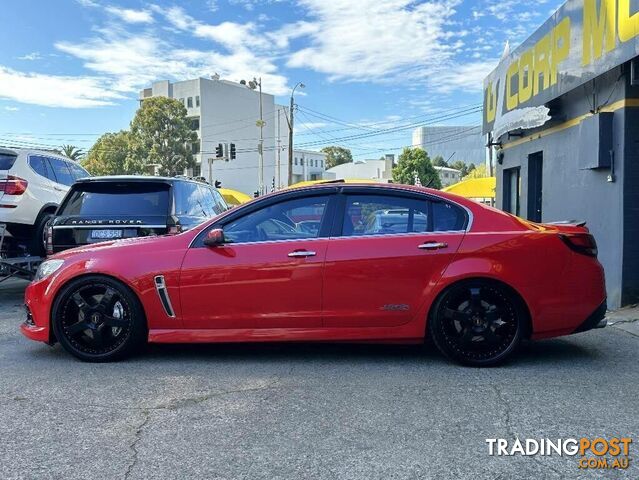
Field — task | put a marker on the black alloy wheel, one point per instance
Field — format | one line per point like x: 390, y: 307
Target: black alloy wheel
x: 477, y: 323
x: 98, y: 319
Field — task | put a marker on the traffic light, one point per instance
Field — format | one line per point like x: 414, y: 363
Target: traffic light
x: 219, y: 150
x: 218, y: 184
x: 232, y: 151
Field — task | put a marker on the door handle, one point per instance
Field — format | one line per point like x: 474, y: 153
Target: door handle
x: 301, y: 254
x: 432, y: 246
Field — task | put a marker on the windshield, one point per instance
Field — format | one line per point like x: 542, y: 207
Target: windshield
x: 118, y: 199
x: 7, y: 160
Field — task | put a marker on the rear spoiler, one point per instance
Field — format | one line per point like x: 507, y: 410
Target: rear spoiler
x: 577, y: 223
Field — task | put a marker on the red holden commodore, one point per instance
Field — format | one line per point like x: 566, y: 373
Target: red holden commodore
x: 334, y: 262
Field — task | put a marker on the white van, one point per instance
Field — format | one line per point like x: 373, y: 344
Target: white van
x: 32, y: 185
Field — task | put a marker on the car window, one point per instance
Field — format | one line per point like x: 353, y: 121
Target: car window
x: 77, y: 171
x: 447, y: 217
x: 39, y: 165
x: 220, y: 203
x: 61, y: 170
x: 7, y: 160
x: 384, y: 215
x: 286, y: 220
x: 207, y: 200
x: 117, y: 199
x: 189, y: 201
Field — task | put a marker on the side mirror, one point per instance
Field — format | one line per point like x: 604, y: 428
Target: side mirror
x: 214, y: 238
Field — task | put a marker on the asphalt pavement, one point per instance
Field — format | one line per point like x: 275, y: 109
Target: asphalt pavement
x: 308, y: 411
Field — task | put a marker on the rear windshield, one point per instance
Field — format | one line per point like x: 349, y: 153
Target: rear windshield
x: 118, y: 199
x: 7, y: 160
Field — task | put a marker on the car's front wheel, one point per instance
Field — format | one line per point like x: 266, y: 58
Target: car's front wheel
x: 478, y: 323
x: 98, y: 319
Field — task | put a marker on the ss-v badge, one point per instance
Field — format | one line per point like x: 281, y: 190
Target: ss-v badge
x: 395, y: 307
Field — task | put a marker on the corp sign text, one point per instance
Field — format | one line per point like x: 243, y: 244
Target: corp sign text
x: 582, y: 40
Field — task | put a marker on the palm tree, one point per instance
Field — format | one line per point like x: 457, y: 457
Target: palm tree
x: 72, y: 152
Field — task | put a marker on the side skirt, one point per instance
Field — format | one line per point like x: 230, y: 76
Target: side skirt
x: 406, y: 335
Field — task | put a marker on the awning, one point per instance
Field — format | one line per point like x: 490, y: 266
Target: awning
x: 233, y: 197
x: 474, y: 188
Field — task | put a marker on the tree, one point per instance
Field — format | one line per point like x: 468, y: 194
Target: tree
x: 161, y: 134
x: 111, y: 155
x: 439, y: 161
x: 336, y: 156
x: 479, y: 172
x: 414, y: 161
x: 461, y: 166
x: 72, y: 152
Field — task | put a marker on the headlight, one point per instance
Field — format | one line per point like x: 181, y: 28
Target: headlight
x: 46, y: 268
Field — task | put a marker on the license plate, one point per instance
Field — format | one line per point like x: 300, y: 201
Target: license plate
x: 106, y: 234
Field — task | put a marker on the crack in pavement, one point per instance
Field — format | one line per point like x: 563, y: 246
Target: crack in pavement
x: 133, y: 446
x: 511, y: 432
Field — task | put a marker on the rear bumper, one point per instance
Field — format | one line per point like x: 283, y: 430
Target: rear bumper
x: 597, y: 319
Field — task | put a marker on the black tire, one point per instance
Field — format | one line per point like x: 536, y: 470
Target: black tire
x: 98, y: 319
x: 38, y: 242
x: 478, y: 323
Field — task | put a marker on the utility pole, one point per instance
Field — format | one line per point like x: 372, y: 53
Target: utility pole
x: 290, y: 133
x: 261, y: 147
x: 279, y: 149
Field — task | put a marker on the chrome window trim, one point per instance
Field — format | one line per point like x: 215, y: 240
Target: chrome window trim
x: 427, y: 196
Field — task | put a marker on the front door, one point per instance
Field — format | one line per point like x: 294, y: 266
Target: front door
x: 390, y: 254
x: 268, y: 275
x: 535, y: 186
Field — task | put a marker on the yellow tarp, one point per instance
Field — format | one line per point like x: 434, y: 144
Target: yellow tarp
x: 233, y: 197
x: 308, y: 183
x: 474, y: 188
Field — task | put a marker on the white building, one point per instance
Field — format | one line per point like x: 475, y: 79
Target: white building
x: 452, y: 143
x: 448, y: 176
x: 308, y: 165
x: 378, y: 170
x: 382, y: 171
x: 227, y: 112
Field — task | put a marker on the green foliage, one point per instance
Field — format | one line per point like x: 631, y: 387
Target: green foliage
x: 461, y: 166
x: 479, y: 172
x: 336, y: 156
x: 439, y: 161
x: 161, y: 134
x: 111, y: 155
x: 415, y: 161
x: 72, y: 152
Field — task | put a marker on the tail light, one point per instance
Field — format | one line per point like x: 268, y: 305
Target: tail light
x: 49, y: 240
x: 13, y: 185
x: 583, y: 243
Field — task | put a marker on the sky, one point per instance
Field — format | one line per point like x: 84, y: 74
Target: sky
x: 71, y: 70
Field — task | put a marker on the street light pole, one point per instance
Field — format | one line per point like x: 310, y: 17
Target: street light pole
x: 261, y: 124
x: 290, y: 133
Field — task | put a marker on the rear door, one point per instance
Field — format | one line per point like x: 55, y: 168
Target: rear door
x: 387, y: 254
x: 99, y: 211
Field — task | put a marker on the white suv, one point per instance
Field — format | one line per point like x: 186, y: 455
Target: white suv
x: 32, y: 185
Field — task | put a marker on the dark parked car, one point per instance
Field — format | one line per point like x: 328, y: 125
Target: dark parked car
x: 97, y: 209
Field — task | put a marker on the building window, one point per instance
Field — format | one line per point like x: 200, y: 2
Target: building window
x: 322, y: 163
x: 189, y: 102
x: 302, y: 162
x: 181, y: 101
x: 511, y: 190
x: 295, y: 160
x: 195, y: 123
x: 197, y: 171
x: 197, y: 100
x: 195, y: 147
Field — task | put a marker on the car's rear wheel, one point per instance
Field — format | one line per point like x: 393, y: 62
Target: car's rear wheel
x: 38, y: 244
x: 478, y: 323
x: 98, y: 319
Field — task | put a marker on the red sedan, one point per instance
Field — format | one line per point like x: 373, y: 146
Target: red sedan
x: 335, y: 262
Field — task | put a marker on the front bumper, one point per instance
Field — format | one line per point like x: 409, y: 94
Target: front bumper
x: 36, y: 324
x: 596, y: 320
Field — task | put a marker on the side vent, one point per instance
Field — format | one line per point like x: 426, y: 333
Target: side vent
x: 160, y: 286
